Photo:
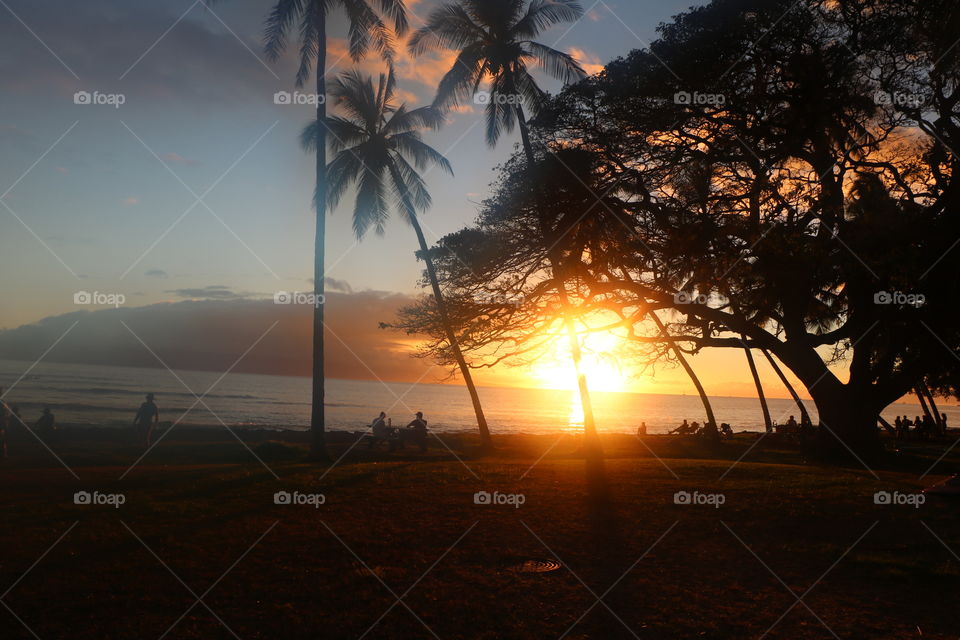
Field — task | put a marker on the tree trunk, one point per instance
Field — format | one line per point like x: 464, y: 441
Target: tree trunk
x: 485, y: 441
x: 804, y: 416
x: 589, y: 424
x: 848, y: 422
x: 707, y: 407
x: 923, y: 401
x: 933, y: 406
x: 768, y: 425
x: 317, y: 421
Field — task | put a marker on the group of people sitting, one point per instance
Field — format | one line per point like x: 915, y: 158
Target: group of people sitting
x: 924, y: 428
x: 10, y: 419
x: 382, y: 430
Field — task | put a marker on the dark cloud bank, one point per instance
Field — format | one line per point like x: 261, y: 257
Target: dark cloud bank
x: 210, y: 335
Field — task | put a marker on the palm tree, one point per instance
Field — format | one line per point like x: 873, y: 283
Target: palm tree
x: 366, y: 28
x: 495, y: 40
x: 378, y: 148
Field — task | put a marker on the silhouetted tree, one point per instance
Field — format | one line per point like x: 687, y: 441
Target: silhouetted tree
x: 366, y: 28
x: 495, y: 42
x: 379, y: 149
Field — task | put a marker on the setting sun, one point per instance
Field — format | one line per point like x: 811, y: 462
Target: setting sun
x: 601, y: 365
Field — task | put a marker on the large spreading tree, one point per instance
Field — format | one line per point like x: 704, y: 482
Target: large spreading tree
x: 769, y: 175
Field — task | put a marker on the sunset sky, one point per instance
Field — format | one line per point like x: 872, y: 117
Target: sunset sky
x: 194, y: 191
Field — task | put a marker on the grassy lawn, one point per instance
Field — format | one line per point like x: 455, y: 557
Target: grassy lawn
x: 202, y: 511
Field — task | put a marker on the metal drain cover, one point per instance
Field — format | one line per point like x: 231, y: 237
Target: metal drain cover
x: 537, y: 566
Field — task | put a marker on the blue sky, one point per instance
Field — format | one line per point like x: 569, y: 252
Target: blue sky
x: 199, y: 109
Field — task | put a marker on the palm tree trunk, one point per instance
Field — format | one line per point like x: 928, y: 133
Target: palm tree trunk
x: 933, y: 405
x: 768, y: 425
x: 923, y: 401
x: 317, y: 420
x: 804, y: 416
x: 486, y: 442
x: 589, y: 423
x: 707, y: 407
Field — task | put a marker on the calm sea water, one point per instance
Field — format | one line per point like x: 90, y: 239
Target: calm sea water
x: 86, y: 394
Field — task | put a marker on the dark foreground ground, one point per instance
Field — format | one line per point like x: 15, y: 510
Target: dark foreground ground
x: 399, y: 549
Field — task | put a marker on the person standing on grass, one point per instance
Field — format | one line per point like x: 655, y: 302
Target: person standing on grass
x: 148, y: 416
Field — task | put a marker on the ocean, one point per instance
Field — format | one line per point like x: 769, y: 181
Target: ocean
x: 108, y: 395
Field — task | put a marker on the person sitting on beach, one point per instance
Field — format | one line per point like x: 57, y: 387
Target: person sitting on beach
x: 418, y: 427
x: 682, y: 429
x: 726, y: 429
x: 148, y: 415
x: 45, y: 422
x: 791, y: 424
x: 380, y: 431
x: 642, y: 429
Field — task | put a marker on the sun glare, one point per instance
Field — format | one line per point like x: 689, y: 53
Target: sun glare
x: 601, y: 365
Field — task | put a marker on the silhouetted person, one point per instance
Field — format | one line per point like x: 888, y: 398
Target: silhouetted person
x: 148, y: 415
x: 682, y: 429
x: 418, y: 427
x: 899, y: 428
x: 943, y: 423
x: 380, y: 431
x: 929, y: 426
x: 45, y: 422
x: 642, y: 429
x: 726, y: 430
x: 791, y: 424
x: 918, y: 426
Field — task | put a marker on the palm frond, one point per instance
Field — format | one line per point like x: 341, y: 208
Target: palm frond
x: 372, y: 207
x: 460, y: 82
x: 543, y: 14
x: 309, y: 42
x: 410, y: 145
x: 283, y: 16
x: 560, y: 65
x: 448, y: 26
x: 342, y: 171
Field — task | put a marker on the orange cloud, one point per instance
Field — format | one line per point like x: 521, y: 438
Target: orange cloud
x: 591, y: 63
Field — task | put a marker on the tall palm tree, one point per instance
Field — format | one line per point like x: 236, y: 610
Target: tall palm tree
x: 495, y: 40
x: 366, y: 28
x: 378, y: 147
